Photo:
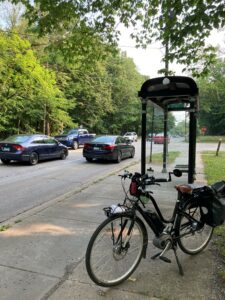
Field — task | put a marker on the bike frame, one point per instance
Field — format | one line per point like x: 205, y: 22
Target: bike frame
x: 176, y: 211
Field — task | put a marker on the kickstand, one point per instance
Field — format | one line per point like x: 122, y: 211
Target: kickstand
x: 178, y: 262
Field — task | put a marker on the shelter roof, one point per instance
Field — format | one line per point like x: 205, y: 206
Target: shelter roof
x: 171, y: 92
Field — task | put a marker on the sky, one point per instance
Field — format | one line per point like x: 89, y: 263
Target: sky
x: 149, y: 61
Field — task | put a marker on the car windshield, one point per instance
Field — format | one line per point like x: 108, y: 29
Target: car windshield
x: 70, y: 131
x: 18, y: 138
x: 129, y: 133
x: 104, y: 139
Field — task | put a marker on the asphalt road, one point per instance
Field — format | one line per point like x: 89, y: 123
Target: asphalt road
x: 23, y: 187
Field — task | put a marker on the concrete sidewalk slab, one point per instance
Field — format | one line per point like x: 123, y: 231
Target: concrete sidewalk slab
x: 42, y: 257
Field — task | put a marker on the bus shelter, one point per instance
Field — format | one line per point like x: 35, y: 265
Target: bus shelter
x: 171, y: 93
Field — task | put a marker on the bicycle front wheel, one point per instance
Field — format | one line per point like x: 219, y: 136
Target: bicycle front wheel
x: 115, y: 250
x: 193, y: 234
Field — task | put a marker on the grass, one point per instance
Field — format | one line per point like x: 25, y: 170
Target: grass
x: 4, y: 227
x: 158, y: 157
x: 214, y: 167
x: 210, y: 139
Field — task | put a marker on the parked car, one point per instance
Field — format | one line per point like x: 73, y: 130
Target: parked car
x: 108, y: 148
x: 31, y: 148
x: 73, y: 138
x: 159, y: 139
x: 132, y: 136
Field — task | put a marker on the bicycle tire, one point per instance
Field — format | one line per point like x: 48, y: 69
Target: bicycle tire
x: 105, y: 256
x: 192, y: 238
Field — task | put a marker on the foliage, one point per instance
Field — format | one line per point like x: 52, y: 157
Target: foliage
x: 156, y: 123
x: 181, y: 128
x: 125, y: 83
x: 212, y: 104
x: 181, y: 25
x: 95, y: 87
x: 4, y: 227
x: 214, y: 166
x: 104, y: 92
x: 29, y: 95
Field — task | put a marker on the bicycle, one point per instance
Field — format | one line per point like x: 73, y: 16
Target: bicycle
x: 120, y: 242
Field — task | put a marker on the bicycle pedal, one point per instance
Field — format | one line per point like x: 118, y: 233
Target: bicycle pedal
x: 165, y: 259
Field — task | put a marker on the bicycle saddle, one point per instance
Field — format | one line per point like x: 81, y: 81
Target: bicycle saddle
x: 184, y: 188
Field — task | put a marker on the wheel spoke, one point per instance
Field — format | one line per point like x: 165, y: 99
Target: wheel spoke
x: 108, y: 260
x: 193, y: 235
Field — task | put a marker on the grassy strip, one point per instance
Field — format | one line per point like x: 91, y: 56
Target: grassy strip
x: 4, y: 227
x: 214, y: 167
x: 210, y: 139
x: 158, y: 157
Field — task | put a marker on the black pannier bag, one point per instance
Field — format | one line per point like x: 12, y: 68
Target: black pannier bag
x: 211, y: 199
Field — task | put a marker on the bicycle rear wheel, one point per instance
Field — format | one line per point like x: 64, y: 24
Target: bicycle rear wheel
x: 194, y: 235
x: 115, y: 250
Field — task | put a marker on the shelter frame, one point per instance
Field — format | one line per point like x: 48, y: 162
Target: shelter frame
x: 171, y: 93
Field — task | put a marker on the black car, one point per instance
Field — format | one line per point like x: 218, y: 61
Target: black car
x: 31, y: 148
x: 108, y: 148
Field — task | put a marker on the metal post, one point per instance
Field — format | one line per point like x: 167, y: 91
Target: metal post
x: 164, y: 170
x: 192, y: 144
x: 152, y: 131
x: 218, y: 147
x: 143, y: 136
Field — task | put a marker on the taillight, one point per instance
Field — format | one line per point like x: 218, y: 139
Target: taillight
x: 108, y: 147
x: 18, y: 147
x: 87, y: 146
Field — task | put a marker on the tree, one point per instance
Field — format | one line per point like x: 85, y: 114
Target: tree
x: 11, y: 15
x: 212, y: 96
x: 125, y: 83
x: 181, y: 25
x: 30, y: 99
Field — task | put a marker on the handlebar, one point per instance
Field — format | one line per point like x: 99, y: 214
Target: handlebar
x: 149, y: 180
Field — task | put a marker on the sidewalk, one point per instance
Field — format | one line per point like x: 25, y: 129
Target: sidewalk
x: 42, y: 257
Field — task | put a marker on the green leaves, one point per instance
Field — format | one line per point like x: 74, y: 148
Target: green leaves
x: 28, y: 91
x: 183, y: 24
x: 212, y: 95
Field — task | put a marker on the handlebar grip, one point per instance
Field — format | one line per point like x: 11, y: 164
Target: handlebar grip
x: 161, y: 180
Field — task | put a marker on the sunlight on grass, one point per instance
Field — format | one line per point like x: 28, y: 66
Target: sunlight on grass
x: 214, y: 166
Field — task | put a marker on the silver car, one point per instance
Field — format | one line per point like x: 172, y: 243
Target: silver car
x: 131, y: 136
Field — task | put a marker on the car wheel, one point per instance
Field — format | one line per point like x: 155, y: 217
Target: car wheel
x: 33, y: 160
x: 5, y: 161
x: 75, y: 145
x: 119, y: 157
x: 132, y: 153
x: 63, y: 154
x: 89, y: 159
